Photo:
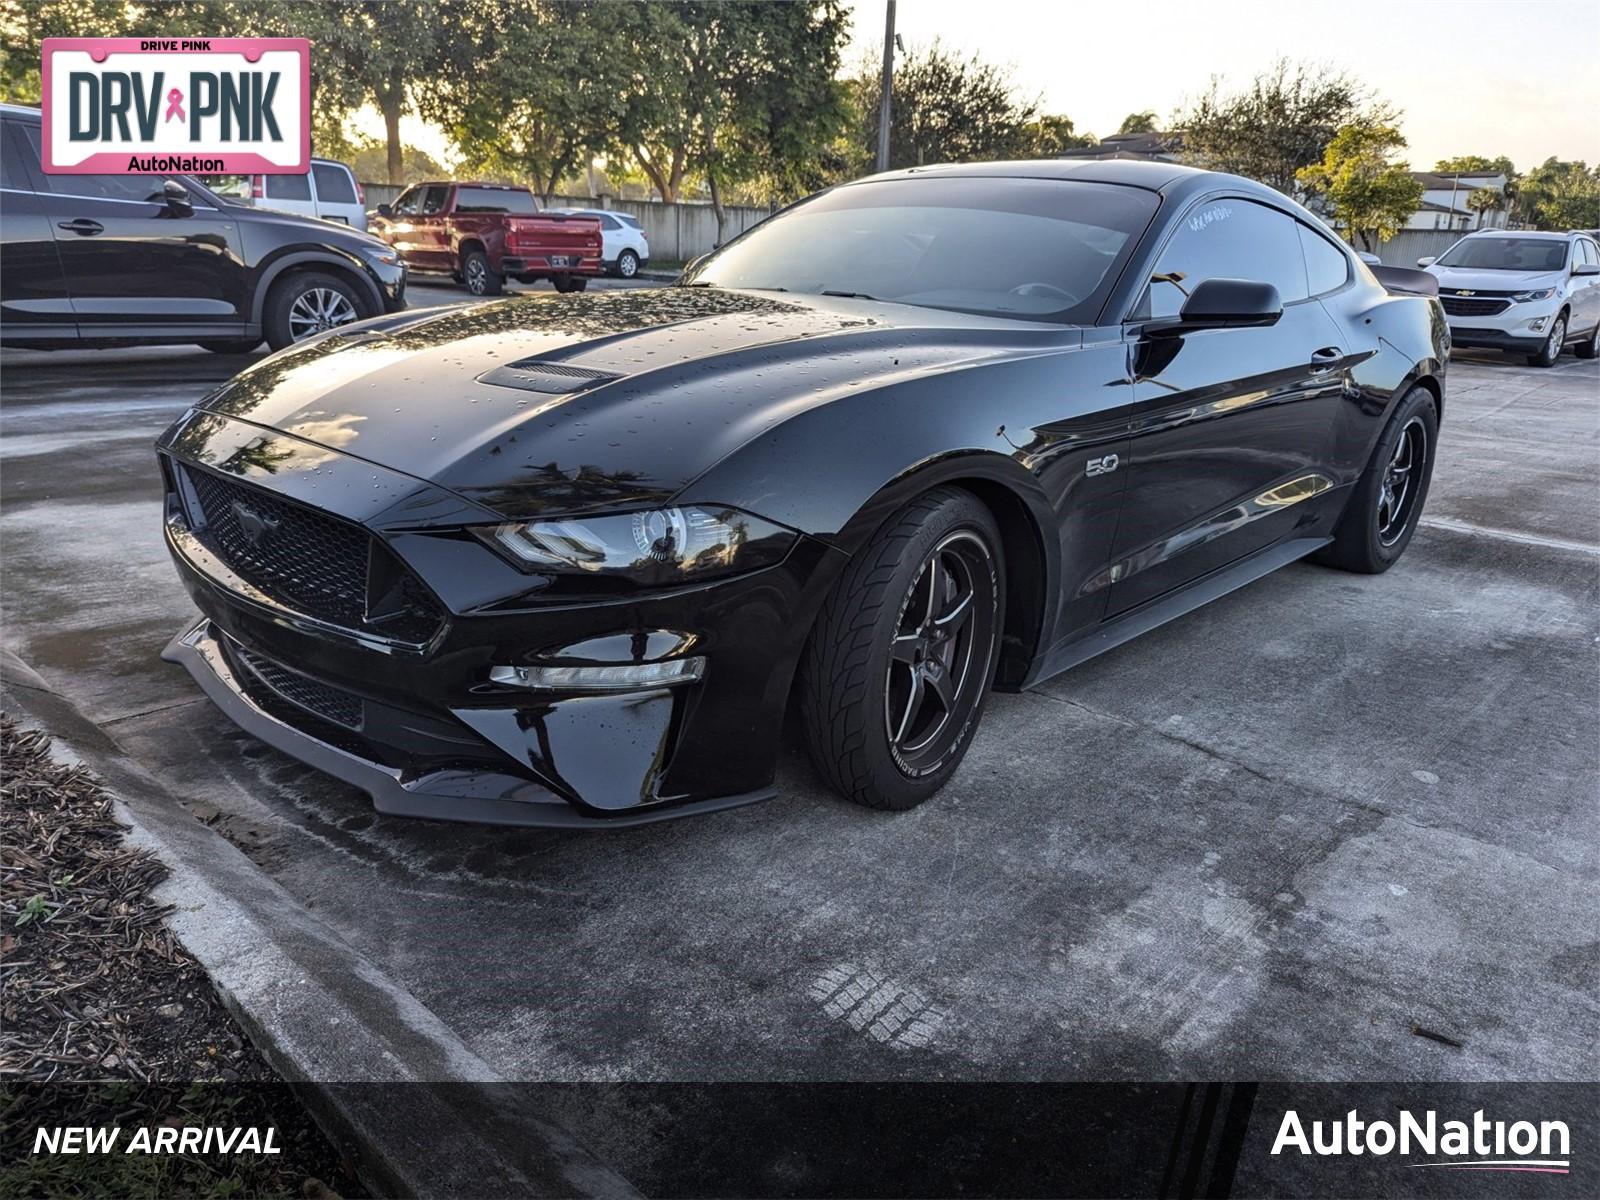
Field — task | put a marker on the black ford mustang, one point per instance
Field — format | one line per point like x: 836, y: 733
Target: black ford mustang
x: 569, y: 560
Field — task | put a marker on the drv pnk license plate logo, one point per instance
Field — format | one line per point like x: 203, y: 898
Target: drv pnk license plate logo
x: 140, y: 106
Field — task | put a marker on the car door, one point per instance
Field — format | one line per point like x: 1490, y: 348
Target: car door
x: 137, y: 265
x: 33, y: 290
x: 1232, y: 428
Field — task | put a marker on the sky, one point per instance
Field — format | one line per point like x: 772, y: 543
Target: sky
x: 1491, y: 77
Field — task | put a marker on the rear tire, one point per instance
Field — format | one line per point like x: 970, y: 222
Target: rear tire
x: 1551, y: 350
x: 479, y: 278
x: 898, y: 667
x: 1387, y: 501
x: 627, y: 264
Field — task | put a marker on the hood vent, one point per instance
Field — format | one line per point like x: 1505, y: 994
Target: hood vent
x: 549, y: 378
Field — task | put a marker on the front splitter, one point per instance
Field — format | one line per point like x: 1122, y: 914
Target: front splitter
x: 453, y: 795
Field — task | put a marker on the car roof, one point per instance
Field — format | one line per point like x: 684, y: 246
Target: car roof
x: 20, y: 110
x: 1153, y: 176
x: 1530, y: 234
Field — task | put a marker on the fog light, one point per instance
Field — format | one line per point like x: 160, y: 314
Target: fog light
x: 628, y: 677
x: 1537, y: 324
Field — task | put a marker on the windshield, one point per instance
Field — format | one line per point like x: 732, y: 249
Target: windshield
x: 1035, y: 249
x: 1507, y: 254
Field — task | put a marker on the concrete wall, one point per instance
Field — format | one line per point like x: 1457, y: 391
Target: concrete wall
x: 677, y: 232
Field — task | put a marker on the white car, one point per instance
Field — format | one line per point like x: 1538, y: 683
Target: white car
x: 624, y: 249
x: 329, y: 190
x: 1522, y: 292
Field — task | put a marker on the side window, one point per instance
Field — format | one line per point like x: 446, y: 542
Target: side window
x: 1588, y: 252
x: 610, y: 224
x: 433, y: 198
x: 13, y: 169
x: 288, y: 187
x: 334, y: 185
x: 1227, y: 238
x: 1327, y: 268
x: 407, y: 202
x: 91, y: 187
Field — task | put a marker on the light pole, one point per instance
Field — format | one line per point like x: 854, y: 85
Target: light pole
x: 888, y: 79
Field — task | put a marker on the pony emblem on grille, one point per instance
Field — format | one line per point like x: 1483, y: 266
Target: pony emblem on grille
x: 252, y: 524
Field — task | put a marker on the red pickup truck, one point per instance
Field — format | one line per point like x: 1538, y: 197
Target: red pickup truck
x: 479, y: 233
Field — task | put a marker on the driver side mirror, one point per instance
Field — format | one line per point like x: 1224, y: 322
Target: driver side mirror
x: 1222, y: 304
x: 1425, y: 262
x: 177, y: 197
x: 1586, y: 269
x: 386, y: 210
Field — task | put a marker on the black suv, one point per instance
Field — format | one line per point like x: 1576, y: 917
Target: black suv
x: 89, y: 260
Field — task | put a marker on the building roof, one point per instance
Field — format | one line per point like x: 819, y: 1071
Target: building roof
x: 1445, y: 181
x: 1146, y: 147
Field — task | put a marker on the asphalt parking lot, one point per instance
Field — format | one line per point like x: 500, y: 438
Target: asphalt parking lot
x: 1267, y: 841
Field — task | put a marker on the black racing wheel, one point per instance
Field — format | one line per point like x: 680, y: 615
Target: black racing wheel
x: 900, y: 662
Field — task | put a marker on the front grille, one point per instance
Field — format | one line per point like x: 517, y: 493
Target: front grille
x: 1473, y: 306
x: 315, y: 697
x: 309, y: 561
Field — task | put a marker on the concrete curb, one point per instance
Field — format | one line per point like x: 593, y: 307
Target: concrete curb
x: 319, y: 1011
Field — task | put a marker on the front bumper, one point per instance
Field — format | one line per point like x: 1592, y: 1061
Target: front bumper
x: 1521, y: 328
x: 1469, y: 337
x: 427, y: 732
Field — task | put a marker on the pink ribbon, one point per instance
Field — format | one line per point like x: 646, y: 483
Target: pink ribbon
x: 175, y: 105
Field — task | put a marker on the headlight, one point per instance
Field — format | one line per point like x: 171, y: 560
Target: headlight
x: 1536, y: 294
x: 657, y: 548
x: 383, y: 255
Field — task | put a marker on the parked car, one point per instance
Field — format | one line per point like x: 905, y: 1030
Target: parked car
x: 1526, y: 293
x: 479, y: 233
x: 571, y: 564
x: 625, y: 249
x: 329, y: 190
x: 107, y: 259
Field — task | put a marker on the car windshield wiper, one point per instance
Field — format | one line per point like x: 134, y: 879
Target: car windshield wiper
x: 848, y: 295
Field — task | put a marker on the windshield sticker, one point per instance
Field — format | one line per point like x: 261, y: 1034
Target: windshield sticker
x: 1210, y: 216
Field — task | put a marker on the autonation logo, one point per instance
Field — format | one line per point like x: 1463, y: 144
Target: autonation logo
x: 1478, y: 1145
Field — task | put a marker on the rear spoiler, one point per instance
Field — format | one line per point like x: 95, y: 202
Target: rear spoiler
x: 1405, y: 280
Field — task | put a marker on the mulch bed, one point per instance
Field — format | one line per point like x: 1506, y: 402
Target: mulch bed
x: 94, y: 988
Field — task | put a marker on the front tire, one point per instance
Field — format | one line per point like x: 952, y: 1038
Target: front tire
x: 308, y: 303
x: 569, y: 283
x: 898, y: 668
x: 1387, y: 501
x: 1551, y: 350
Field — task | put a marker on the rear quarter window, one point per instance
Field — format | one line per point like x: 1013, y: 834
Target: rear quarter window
x: 288, y: 187
x: 334, y: 185
x: 1327, y: 268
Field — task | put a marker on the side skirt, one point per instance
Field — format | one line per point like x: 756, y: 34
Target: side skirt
x: 1170, y: 607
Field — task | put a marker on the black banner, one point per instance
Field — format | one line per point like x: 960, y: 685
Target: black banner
x: 806, y: 1139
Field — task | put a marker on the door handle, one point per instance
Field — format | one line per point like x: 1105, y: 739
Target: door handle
x: 82, y: 226
x: 1326, y: 359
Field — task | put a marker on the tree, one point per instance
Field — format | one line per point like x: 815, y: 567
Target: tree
x: 1367, y: 192
x: 528, y: 89
x: 1139, y: 122
x: 947, y: 108
x: 1476, y: 163
x: 1282, y: 122
x: 1560, y: 195
x: 1485, y: 199
x: 1048, y: 136
x: 733, y: 91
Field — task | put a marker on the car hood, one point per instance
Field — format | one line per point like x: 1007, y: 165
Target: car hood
x: 1455, y: 278
x: 534, y: 405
